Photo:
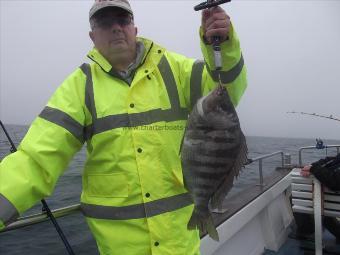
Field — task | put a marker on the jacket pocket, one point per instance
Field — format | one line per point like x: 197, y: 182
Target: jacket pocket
x: 107, y: 185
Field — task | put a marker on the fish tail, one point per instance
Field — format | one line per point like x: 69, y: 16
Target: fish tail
x: 204, y: 224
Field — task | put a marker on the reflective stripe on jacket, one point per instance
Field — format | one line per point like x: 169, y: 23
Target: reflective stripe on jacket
x: 133, y: 194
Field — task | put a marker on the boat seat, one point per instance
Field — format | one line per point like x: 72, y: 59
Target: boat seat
x: 309, y: 196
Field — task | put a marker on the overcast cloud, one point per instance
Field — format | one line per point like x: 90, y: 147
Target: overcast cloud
x: 291, y: 49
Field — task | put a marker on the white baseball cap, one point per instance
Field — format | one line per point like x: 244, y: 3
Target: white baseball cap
x: 101, y: 4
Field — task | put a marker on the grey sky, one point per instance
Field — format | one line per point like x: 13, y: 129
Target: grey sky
x: 291, y: 49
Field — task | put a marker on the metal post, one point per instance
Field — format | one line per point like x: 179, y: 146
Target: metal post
x: 300, y: 157
x: 287, y: 161
x: 261, y: 175
x: 317, y: 200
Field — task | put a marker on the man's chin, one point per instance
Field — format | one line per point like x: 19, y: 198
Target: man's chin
x: 118, y: 43
x: 119, y: 49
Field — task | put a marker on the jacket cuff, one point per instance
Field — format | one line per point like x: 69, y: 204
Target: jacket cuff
x: 8, y: 212
x: 230, y: 51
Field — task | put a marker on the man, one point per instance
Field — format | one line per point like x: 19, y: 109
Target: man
x: 327, y: 171
x: 130, y: 106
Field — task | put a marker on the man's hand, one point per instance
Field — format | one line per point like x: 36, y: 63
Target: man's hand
x: 305, y: 171
x: 215, y: 22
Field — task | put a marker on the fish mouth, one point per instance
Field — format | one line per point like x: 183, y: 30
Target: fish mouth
x: 221, y: 90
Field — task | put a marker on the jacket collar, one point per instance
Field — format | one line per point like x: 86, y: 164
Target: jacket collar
x: 98, y: 58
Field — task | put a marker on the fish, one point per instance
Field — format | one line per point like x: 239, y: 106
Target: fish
x: 212, y: 152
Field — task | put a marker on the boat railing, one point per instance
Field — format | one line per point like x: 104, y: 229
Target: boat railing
x: 61, y: 212
x: 260, y: 160
x: 41, y: 217
x: 315, y: 148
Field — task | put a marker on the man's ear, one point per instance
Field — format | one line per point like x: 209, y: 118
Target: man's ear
x: 136, y: 31
x: 91, y: 36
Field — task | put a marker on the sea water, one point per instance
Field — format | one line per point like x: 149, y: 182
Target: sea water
x: 43, y: 238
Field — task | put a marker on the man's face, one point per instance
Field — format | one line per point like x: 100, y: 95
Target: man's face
x: 113, y: 32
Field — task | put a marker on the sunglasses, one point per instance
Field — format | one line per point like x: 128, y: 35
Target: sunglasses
x: 107, y: 22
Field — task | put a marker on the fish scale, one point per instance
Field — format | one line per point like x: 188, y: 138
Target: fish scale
x: 212, y: 153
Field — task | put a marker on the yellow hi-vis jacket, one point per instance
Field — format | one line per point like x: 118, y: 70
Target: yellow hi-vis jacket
x: 133, y: 195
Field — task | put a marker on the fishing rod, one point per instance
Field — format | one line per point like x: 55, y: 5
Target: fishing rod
x: 216, y: 40
x: 209, y: 4
x: 45, y: 206
x: 330, y: 117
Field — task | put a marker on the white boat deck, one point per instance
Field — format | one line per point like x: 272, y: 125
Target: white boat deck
x: 259, y: 218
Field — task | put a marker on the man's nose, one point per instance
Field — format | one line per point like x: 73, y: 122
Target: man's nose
x: 115, y: 26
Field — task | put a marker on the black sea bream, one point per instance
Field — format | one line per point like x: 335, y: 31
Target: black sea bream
x: 213, y: 152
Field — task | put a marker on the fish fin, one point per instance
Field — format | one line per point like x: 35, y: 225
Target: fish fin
x: 242, y: 157
x: 226, y: 185
x: 194, y: 221
x: 181, y: 145
x: 223, y: 189
x: 211, y: 229
x: 203, y: 224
